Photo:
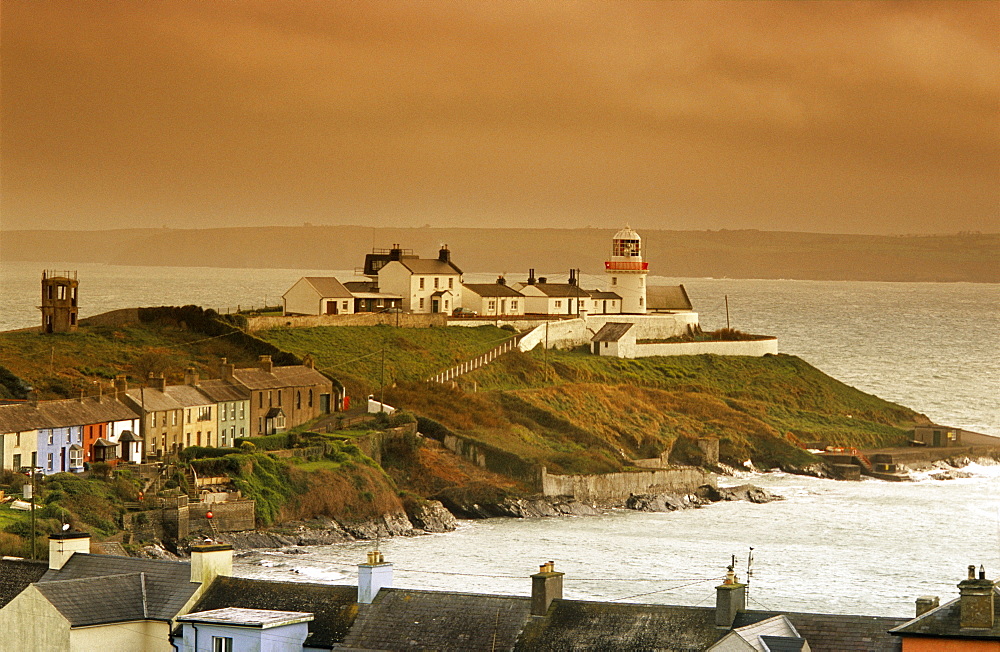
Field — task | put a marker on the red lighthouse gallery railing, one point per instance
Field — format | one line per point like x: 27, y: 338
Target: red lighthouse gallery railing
x: 625, y: 266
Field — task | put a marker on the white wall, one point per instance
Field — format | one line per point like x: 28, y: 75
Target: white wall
x: 750, y: 348
x: 569, y: 333
x: 142, y: 635
x: 302, y: 299
x: 29, y: 623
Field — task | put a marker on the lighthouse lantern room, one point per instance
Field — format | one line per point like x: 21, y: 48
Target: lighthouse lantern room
x: 627, y: 271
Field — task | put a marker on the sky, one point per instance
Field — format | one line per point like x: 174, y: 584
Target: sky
x: 834, y: 117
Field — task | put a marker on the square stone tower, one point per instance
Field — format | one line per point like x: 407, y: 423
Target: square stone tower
x: 59, y: 307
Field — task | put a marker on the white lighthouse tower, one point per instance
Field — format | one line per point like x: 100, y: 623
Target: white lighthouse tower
x: 627, y: 271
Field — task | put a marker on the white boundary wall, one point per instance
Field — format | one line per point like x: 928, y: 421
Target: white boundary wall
x: 569, y: 333
x: 750, y: 347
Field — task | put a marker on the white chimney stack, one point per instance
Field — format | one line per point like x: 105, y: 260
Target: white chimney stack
x: 209, y: 561
x: 62, y: 546
x: 372, y: 576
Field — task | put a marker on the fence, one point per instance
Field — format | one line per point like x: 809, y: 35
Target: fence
x: 476, y: 362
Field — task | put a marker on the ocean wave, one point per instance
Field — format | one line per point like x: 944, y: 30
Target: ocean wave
x: 318, y: 573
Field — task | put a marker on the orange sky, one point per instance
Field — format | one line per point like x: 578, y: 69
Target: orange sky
x: 834, y: 117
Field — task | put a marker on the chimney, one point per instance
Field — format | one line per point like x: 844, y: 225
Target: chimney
x: 209, y: 561
x: 531, y: 276
x: 976, y: 600
x: 546, y: 586
x: 396, y: 253
x: 63, y: 545
x: 501, y: 280
x: 927, y: 602
x: 226, y: 370
x: 33, y: 398
x: 572, y: 277
x: 157, y: 382
x: 264, y: 362
x: 730, y: 599
x: 372, y: 576
x: 191, y: 377
x: 81, y: 396
x: 542, y: 280
x: 121, y: 385
x: 444, y: 255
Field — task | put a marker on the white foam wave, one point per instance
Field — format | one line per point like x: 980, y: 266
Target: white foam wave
x: 318, y: 573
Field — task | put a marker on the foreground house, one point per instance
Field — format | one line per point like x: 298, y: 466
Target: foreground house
x: 87, y: 602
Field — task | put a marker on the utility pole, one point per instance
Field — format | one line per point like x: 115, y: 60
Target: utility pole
x: 727, y: 311
x: 381, y: 398
x: 29, y: 493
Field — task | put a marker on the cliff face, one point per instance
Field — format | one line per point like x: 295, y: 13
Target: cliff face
x: 720, y: 254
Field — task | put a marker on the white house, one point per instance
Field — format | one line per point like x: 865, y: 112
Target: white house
x: 427, y: 285
x: 318, y: 295
x: 544, y: 298
x: 492, y: 299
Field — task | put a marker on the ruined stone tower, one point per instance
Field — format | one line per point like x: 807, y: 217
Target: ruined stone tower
x: 59, y: 301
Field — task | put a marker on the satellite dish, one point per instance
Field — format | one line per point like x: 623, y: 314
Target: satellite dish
x: 65, y: 526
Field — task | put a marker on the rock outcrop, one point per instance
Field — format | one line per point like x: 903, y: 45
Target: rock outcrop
x: 704, y: 495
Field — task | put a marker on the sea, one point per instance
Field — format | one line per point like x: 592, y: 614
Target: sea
x: 868, y: 547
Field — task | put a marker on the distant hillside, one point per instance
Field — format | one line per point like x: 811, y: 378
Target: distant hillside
x: 732, y: 254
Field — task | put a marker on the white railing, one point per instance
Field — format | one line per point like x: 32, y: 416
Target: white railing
x: 476, y: 362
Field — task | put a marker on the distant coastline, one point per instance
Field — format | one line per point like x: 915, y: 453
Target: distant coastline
x: 737, y: 254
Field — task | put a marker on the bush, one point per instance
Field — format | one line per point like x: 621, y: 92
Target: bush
x: 202, y: 452
x: 274, y: 442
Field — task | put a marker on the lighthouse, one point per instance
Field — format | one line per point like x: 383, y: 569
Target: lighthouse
x: 627, y: 271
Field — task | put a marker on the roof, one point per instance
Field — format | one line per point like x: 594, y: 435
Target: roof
x: 262, y: 618
x: 667, y: 297
x: 221, y: 391
x: 627, y: 234
x: 429, y: 266
x: 280, y: 377
x: 90, y: 410
x: 782, y: 643
x: 612, y: 331
x: 104, y: 443
x: 187, y: 395
x: 327, y: 287
x: 97, y: 600
x: 441, y: 293
x: 944, y: 621
x: 400, y: 619
x: 128, y: 436
x: 837, y: 632
x: 559, y: 290
x: 334, y: 607
x: 492, y: 290
x: 600, y: 294
x: 584, y: 625
x: 360, y: 286
x: 274, y: 413
x: 18, y: 417
x: 150, y: 399
x: 16, y: 575
x: 168, y: 584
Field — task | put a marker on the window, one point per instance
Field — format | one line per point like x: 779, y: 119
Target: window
x: 75, y: 458
x: 260, y: 425
x: 198, y: 439
x: 513, y: 305
x: 310, y: 398
x: 261, y: 397
x: 279, y: 398
x: 188, y: 439
x: 205, y: 413
x: 270, y: 398
x: 298, y: 400
x: 50, y: 437
x: 421, y: 304
x: 421, y: 282
x: 451, y: 284
x: 50, y: 461
x: 17, y: 441
x: 446, y: 305
x: 558, y: 304
x: 241, y: 432
x: 436, y: 280
x: 62, y: 292
x: 17, y: 462
x: 189, y: 416
x: 614, y: 280
x: 223, y: 413
x: 69, y: 437
x: 345, y: 305
x: 493, y: 305
x: 640, y: 301
x: 232, y: 411
x: 242, y: 412
x: 222, y: 644
x: 173, y: 419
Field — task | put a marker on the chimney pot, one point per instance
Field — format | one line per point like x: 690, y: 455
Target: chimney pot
x: 730, y: 599
x: 976, y: 598
x: 265, y: 363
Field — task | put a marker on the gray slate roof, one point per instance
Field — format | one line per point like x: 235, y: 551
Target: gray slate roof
x: 782, y: 643
x: 401, y: 619
x: 944, y: 622
x: 429, y: 266
x: 612, y: 331
x: 18, y: 417
x: 333, y: 606
x: 599, y: 294
x: 328, y: 287
x: 837, y: 632
x: 221, y: 391
x: 93, y: 409
x: 667, y: 297
x: 492, y: 290
x: 280, y: 377
x: 152, y: 400
x: 98, y: 600
x: 168, y: 584
x: 16, y: 575
x: 559, y: 290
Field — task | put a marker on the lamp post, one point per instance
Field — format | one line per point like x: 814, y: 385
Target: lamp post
x: 29, y: 494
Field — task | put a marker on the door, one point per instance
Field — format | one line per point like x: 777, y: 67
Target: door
x: 435, y: 305
x: 937, y: 438
x: 62, y: 459
x: 331, y: 307
x: 324, y: 403
x: 597, y: 348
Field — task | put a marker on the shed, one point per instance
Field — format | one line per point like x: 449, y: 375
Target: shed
x: 615, y: 339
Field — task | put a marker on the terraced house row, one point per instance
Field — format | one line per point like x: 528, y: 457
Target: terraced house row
x: 156, y: 421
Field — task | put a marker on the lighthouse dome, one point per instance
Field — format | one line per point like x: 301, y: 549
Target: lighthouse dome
x: 627, y: 234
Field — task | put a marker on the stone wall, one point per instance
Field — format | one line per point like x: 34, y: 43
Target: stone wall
x: 235, y: 516
x: 751, y: 348
x: 113, y: 318
x: 610, y: 487
x: 404, y: 320
x: 570, y: 333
